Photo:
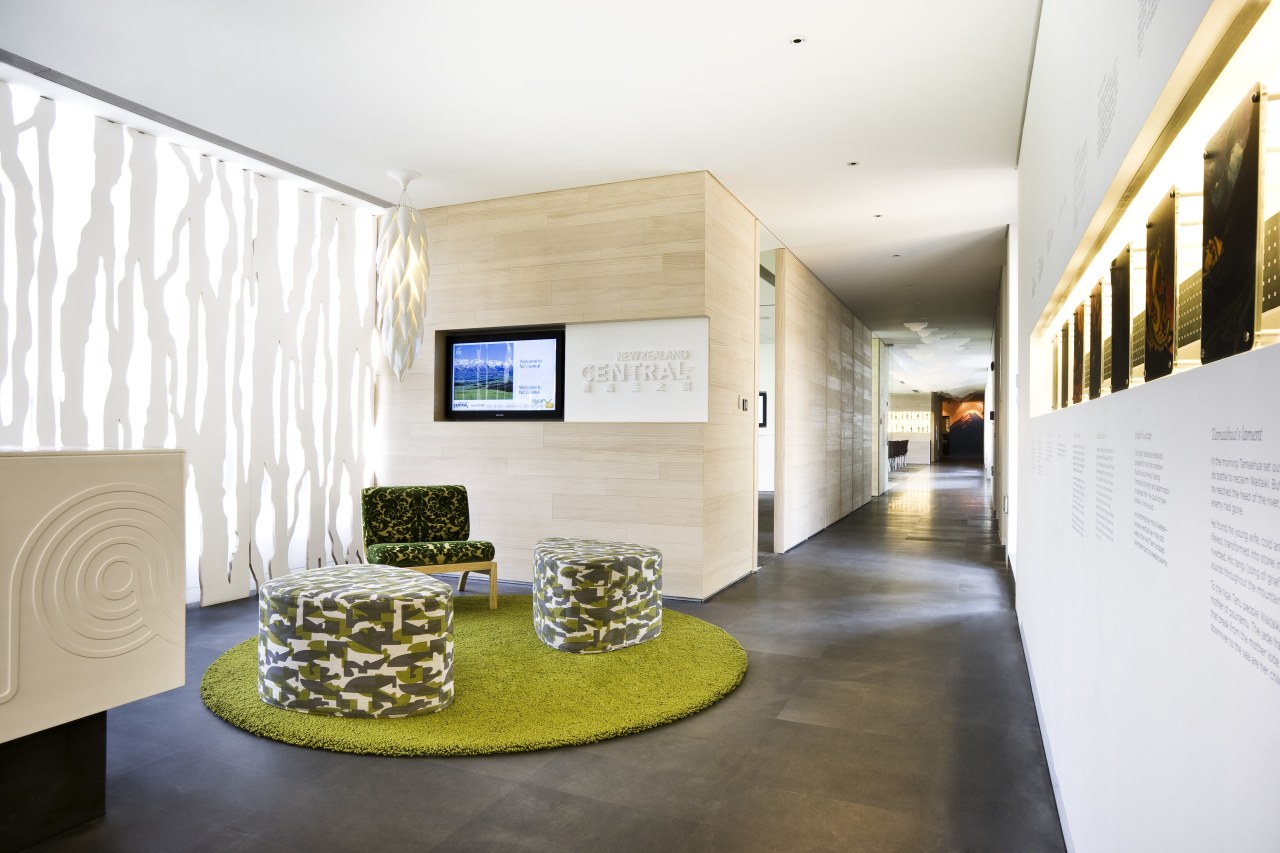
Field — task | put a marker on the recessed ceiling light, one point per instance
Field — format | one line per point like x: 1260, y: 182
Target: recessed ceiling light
x: 896, y: 255
x: 878, y: 215
x: 798, y: 39
x: 852, y: 163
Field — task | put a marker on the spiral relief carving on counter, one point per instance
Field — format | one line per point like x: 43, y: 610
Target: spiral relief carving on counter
x: 98, y: 573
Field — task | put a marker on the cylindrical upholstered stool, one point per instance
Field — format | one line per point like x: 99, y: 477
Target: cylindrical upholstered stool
x: 595, y: 596
x: 356, y: 641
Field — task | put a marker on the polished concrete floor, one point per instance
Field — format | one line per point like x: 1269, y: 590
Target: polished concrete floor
x: 887, y: 707
x: 764, y: 537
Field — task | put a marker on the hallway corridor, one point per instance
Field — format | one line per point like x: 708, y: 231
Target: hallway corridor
x: 887, y: 707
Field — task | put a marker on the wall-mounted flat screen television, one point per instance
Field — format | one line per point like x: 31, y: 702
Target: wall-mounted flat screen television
x: 505, y: 374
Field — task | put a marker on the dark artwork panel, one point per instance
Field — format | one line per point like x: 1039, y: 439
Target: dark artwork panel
x: 1077, y: 356
x: 1065, y: 384
x: 967, y: 435
x: 1057, y: 354
x: 1095, y: 342
x: 1232, y: 167
x: 1161, y: 288
x: 1120, y: 321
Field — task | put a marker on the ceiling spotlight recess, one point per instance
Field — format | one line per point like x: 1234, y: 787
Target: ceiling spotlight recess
x: 852, y: 163
x: 798, y: 39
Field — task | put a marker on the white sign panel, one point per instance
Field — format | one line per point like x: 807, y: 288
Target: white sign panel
x: 637, y: 371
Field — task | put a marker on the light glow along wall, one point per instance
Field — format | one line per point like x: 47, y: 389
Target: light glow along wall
x: 157, y: 297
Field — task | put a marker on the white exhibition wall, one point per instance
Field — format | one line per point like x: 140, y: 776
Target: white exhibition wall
x: 1149, y: 594
x: 157, y: 297
x: 1148, y: 586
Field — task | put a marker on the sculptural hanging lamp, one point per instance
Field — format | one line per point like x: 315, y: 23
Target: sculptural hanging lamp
x: 402, y: 280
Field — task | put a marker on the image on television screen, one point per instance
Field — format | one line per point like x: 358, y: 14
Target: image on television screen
x: 504, y: 376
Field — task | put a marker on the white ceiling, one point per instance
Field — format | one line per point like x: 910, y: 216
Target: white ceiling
x: 492, y: 99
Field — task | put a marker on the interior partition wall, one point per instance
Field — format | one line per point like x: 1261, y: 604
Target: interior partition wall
x: 1007, y: 402
x: 667, y: 247
x: 879, y: 417
x: 157, y: 296
x: 824, y: 427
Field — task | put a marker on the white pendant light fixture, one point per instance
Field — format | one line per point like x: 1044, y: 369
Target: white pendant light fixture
x: 402, y: 280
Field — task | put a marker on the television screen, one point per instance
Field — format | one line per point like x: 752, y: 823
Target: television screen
x: 506, y: 374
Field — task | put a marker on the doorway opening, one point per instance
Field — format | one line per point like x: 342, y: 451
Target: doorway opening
x: 767, y: 408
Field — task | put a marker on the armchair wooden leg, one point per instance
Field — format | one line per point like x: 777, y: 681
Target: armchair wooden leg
x: 462, y: 584
x: 493, y: 586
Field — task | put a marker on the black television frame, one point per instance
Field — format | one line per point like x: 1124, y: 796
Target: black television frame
x: 498, y: 335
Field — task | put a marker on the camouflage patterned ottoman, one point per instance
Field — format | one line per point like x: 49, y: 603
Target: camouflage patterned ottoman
x: 595, y: 596
x: 356, y: 641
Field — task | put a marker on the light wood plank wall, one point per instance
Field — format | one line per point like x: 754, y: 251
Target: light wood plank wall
x: 732, y: 275
x: 879, y: 417
x: 674, y: 246
x: 825, y: 406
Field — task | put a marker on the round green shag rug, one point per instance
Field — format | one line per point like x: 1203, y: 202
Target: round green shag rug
x: 512, y: 693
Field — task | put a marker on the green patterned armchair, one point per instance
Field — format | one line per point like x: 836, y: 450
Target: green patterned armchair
x: 426, y: 528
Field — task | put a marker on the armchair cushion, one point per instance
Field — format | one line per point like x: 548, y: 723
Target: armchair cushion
x: 415, y: 514
x: 430, y: 553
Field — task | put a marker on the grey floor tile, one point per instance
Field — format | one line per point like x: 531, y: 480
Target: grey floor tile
x: 531, y: 818
x: 758, y: 818
x: 886, y: 707
x: 881, y: 771
x: 380, y: 803
x: 192, y: 786
x: 621, y: 782
x: 132, y: 826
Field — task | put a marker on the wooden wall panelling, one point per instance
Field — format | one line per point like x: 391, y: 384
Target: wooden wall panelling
x: 850, y: 463
x: 864, y: 413
x: 627, y: 251
x: 730, y: 517
x: 823, y: 391
x: 878, y: 460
